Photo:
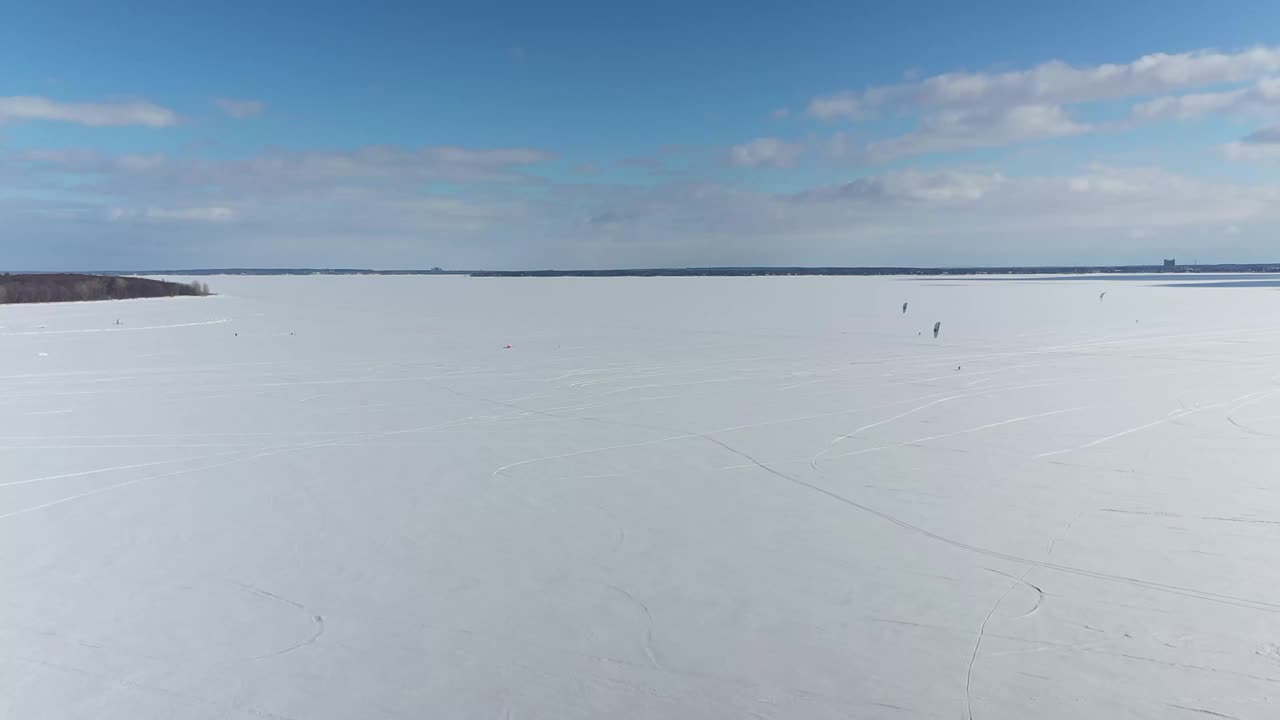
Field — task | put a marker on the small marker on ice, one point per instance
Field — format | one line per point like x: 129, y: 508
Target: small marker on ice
x: 904, y: 308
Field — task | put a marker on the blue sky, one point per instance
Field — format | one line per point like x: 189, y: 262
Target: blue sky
x: 576, y: 134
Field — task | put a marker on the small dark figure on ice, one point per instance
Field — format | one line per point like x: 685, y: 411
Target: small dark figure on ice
x: 936, y: 327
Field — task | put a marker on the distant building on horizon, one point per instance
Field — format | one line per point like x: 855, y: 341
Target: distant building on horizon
x: 1170, y: 262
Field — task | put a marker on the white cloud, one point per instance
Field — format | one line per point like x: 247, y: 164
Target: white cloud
x: 781, y: 113
x: 1106, y: 198
x: 850, y: 105
x: 81, y: 160
x: 1259, y: 146
x: 240, y: 109
x: 365, y: 206
x: 14, y: 109
x: 839, y: 149
x: 454, y: 164
x: 298, y: 169
x: 1261, y: 97
x: 377, y: 207
x: 1103, y: 184
x: 912, y: 186
x: 964, y: 129
x: 963, y: 110
x: 194, y: 214
x: 944, y: 217
x: 1251, y: 152
x: 765, y: 152
x: 1057, y: 83
x: 846, y: 105
x: 1265, y: 136
x: 137, y: 162
x: 1184, y: 107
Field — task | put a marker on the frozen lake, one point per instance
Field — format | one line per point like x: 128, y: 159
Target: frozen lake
x: 344, y: 497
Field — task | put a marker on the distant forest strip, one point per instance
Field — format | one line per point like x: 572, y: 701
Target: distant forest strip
x: 925, y: 271
x: 69, y: 287
x: 740, y: 271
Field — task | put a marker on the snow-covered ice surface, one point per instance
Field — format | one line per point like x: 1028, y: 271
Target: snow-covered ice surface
x: 334, y: 498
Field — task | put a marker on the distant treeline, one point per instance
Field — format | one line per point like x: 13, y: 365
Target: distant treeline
x: 283, y: 271
x: 805, y: 271
x: 69, y: 287
x: 735, y: 271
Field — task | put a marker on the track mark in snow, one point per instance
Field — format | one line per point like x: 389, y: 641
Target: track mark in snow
x: 115, y: 329
x: 265, y: 453
x: 977, y: 645
x: 1202, y: 711
x: 317, y: 620
x: 1270, y: 651
x: 647, y: 639
x: 498, y: 473
x: 173, y: 695
x: 670, y: 385
x: 1066, y: 531
x: 1204, y: 595
x: 802, y: 384
x: 149, y: 446
x: 137, y: 436
x: 1023, y: 581
x: 98, y: 471
x: 1248, y: 429
x: 1152, y: 513
x: 270, y: 595
x: 71, y: 498
x: 315, y: 635
x: 813, y: 462
x: 918, y: 441
x: 1214, y: 518
x: 1171, y: 417
x: 979, y: 428
x: 948, y: 397
x: 908, y: 443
